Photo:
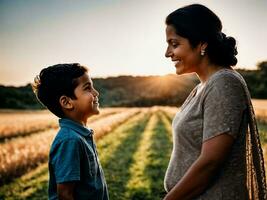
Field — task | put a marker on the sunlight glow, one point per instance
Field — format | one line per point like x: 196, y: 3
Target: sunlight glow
x: 111, y: 37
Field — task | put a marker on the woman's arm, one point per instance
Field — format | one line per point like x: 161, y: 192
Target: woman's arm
x: 196, y: 179
x: 65, y: 191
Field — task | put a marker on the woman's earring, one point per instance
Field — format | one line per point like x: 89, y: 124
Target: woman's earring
x: 202, y: 52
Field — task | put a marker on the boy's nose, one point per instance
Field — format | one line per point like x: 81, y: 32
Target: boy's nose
x: 96, y: 93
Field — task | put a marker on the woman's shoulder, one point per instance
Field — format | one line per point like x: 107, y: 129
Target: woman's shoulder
x: 226, y: 84
x: 225, y: 78
x: 225, y: 88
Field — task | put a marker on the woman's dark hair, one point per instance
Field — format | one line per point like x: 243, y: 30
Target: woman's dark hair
x: 198, y: 24
x: 56, y: 81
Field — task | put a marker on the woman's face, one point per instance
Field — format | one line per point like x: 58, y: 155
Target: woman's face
x: 185, y: 58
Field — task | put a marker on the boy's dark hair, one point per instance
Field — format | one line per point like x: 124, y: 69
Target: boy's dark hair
x: 198, y: 24
x: 56, y: 81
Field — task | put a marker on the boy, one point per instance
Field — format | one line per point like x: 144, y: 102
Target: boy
x: 74, y: 168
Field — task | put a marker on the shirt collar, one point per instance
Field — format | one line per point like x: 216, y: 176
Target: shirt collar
x: 82, y: 130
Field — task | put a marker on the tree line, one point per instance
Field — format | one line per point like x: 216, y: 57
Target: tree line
x: 257, y: 80
x: 137, y: 91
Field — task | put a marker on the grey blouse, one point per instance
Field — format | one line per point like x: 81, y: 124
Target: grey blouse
x: 220, y: 107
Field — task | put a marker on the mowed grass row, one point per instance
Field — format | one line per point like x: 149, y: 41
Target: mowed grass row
x: 142, y: 143
x: 20, y: 155
x: 134, y: 157
x: 150, y: 161
x: 34, y: 185
x: 135, y: 170
x: 23, y: 123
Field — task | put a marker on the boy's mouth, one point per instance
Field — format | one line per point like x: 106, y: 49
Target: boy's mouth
x: 95, y: 102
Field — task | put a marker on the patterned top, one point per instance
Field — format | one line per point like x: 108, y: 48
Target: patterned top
x: 220, y: 107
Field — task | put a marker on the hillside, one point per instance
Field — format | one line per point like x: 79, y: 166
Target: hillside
x: 138, y: 91
x: 144, y: 91
x: 115, y: 91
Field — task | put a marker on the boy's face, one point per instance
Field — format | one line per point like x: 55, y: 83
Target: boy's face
x: 86, y: 102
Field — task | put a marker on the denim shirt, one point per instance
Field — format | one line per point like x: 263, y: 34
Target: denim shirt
x: 73, y: 158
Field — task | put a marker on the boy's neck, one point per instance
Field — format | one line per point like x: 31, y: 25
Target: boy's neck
x: 82, y: 122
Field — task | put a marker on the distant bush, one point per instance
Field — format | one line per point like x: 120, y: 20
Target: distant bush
x: 131, y: 91
x: 18, y: 98
x: 257, y: 80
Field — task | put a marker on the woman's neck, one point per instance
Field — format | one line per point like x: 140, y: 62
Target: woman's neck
x: 205, y: 70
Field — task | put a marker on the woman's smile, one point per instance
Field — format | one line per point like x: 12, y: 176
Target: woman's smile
x: 183, y: 55
x: 176, y: 62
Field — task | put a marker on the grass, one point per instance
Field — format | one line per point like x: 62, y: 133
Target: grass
x: 33, y: 185
x: 262, y: 127
x: 20, y: 155
x: 111, y: 147
x: 138, y: 182
x: 134, y: 157
x: 263, y: 132
x: 155, y: 157
x: 116, y: 163
x: 34, y: 122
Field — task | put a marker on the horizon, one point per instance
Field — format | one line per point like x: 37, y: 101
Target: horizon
x: 123, y: 75
x: 112, y: 37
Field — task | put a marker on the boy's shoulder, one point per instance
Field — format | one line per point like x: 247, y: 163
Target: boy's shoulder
x: 64, y: 135
x: 70, y: 135
x: 70, y: 130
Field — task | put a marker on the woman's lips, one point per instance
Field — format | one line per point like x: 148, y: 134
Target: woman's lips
x: 176, y: 62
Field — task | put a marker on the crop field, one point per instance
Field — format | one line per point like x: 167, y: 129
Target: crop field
x: 134, y: 146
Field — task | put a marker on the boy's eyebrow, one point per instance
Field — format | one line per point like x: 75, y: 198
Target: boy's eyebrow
x: 87, y: 84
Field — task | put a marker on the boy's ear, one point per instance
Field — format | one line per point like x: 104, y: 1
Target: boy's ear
x: 66, y: 102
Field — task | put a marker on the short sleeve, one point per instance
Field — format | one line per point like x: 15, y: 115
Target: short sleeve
x: 66, y: 161
x: 223, y: 106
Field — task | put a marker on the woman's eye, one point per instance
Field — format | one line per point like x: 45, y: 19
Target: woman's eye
x: 174, y: 45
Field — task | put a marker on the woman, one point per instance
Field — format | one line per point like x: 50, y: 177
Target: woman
x: 212, y: 158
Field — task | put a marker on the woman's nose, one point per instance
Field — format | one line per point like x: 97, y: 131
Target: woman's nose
x: 168, y: 53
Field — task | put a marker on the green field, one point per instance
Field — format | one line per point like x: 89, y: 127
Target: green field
x: 134, y: 157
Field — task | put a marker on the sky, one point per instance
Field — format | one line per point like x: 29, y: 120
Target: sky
x: 112, y: 37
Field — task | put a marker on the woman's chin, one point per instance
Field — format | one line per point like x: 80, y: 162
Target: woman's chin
x: 179, y: 71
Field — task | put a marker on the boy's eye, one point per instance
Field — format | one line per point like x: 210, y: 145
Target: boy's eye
x: 88, y: 88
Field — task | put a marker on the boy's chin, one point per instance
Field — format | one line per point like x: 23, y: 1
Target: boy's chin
x: 96, y: 111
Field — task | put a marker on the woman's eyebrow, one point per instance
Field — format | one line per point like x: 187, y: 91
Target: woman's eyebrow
x: 172, y: 40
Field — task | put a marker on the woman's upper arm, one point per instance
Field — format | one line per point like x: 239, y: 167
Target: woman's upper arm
x: 223, y: 107
x: 215, y: 150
